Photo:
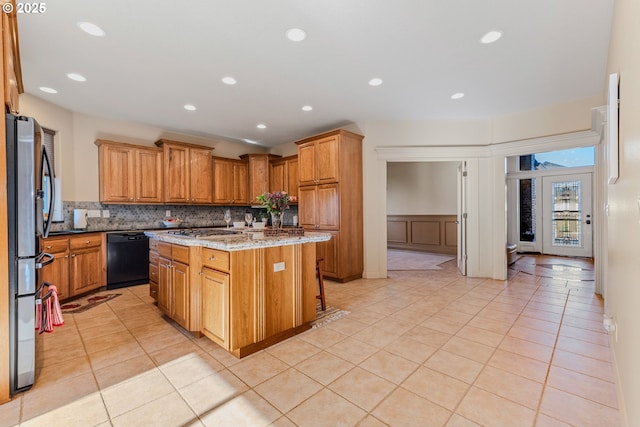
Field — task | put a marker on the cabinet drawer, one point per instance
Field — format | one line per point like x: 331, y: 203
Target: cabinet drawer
x: 164, y: 250
x: 153, y: 244
x: 180, y: 253
x: 153, y: 273
x: 153, y: 291
x: 215, y: 259
x: 153, y: 257
x: 56, y: 245
x: 85, y: 241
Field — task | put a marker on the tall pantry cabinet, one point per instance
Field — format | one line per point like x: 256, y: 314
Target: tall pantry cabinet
x: 330, y: 199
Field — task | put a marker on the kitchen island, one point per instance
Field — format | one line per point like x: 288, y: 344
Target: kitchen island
x: 244, y: 291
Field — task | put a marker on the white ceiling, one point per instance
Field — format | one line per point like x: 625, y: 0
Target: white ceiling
x: 159, y: 55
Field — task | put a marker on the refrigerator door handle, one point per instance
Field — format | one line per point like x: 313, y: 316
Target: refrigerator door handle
x: 48, y: 259
x: 47, y: 161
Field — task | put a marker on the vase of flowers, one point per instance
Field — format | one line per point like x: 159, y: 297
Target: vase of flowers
x: 275, y: 204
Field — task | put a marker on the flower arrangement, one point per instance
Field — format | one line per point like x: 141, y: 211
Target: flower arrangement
x: 274, y: 202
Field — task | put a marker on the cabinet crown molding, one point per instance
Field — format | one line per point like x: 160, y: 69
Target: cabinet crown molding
x: 161, y: 142
x: 100, y: 142
x: 256, y: 155
x: 330, y: 133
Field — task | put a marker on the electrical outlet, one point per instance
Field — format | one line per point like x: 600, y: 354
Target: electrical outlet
x: 167, y: 213
x: 278, y: 266
x: 93, y: 213
x: 105, y: 213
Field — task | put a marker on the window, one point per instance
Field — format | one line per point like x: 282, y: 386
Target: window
x: 574, y: 157
x: 48, y: 136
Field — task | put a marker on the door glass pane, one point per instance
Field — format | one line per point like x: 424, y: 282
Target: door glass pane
x: 528, y: 210
x: 566, y: 214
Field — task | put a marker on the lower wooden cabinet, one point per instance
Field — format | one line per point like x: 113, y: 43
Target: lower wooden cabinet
x: 215, y: 306
x: 174, y: 282
x: 78, y: 265
x: 153, y: 269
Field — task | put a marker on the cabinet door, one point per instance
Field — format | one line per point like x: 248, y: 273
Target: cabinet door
x: 201, y: 176
x: 258, y: 175
x: 222, y: 181
x: 327, y: 207
x: 277, y: 177
x: 57, y: 273
x: 164, y: 285
x: 176, y: 174
x: 85, y: 269
x: 307, y: 163
x: 327, y: 160
x: 148, y: 183
x: 292, y: 178
x: 307, y: 207
x: 180, y: 290
x: 215, y: 306
x: 116, y: 174
x: 329, y: 252
x: 241, y: 183
x: 11, y: 62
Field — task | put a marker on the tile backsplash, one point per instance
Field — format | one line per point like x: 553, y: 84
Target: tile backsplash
x: 133, y: 217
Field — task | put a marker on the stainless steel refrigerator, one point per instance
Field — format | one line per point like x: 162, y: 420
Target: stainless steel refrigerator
x: 27, y: 166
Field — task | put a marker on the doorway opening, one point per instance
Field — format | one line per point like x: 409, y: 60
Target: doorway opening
x: 550, y: 202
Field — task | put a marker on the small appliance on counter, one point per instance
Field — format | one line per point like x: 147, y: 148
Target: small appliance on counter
x: 79, y: 219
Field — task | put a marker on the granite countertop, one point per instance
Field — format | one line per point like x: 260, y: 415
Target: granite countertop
x: 55, y: 233
x: 249, y: 239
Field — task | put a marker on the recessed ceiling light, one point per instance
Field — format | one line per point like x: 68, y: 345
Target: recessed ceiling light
x: 491, y: 37
x: 457, y: 95
x: 296, y: 34
x: 307, y: 108
x: 261, y: 126
x: 375, y: 82
x: 92, y: 29
x: 77, y: 77
x: 229, y: 80
x: 48, y: 89
x: 190, y: 107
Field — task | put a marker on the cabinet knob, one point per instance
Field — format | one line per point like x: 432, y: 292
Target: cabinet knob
x: 87, y: 242
x: 211, y: 258
x: 130, y: 198
x: 49, y: 246
x: 73, y: 255
x: 66, y: 256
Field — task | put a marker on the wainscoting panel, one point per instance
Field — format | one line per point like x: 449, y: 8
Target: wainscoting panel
x: 428, y: 233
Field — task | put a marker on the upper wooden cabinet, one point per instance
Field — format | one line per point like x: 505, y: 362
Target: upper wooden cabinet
x: 283, y: 175
x: 230, y: 181
x: 319, y: 163
x: 129, y: 173
x: 11, y: 60
x: 330, y: 199
x: 258, y: 173
x: 188, y: 173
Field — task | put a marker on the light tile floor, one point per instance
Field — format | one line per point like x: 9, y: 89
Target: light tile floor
x: 421, y: 348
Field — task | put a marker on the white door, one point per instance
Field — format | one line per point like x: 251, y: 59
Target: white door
x: 567, y: 215
x: 461, y: 219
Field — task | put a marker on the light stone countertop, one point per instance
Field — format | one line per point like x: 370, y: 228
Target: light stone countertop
x: 238, y: 242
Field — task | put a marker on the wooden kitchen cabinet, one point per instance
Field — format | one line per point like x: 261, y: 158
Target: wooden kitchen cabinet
x: 258, y: 173
x: 153, y: 269
x: 129, y: 173
x: 13, y: 86
x: 283, y: 175
x: 78, y: 266
x: 174, y: 278
x: 230, y: 181
x: 330, y: 199
x: 57, y: 273
x: 188, y: 173
x: 215, y: 306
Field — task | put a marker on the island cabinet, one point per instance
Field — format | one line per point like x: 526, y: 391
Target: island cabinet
x: 78, y: 265
x: 153, y: 269
x: 258, y: 173
x: 283, y: 175
x: 330, y: 199
x: 256, y: 297
x: 230, y: 181
x: 188, y: 173
x: 129, y: 173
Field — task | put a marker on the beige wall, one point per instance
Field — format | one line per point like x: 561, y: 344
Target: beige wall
x: 422, y: 188
x: 77, y: 155
x: 623, y: 269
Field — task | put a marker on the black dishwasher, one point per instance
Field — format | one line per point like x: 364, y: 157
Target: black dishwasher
x: 127, y: 259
